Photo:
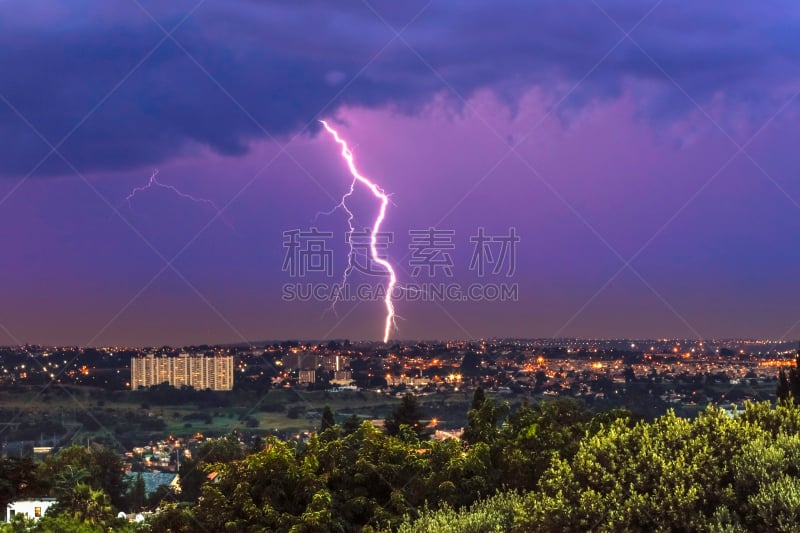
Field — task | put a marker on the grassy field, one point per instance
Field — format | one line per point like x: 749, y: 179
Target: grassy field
x: 75, y: 414
x: 83, y: 413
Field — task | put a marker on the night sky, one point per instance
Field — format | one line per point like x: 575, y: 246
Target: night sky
x: 644, y: 152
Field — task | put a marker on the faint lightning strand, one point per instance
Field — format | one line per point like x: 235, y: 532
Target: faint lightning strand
x: 153, y: 182
x: 349, y: 269
x: 384, y: 199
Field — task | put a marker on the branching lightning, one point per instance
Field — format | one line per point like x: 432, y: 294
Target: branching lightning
x: 376, y: 227
x: 153, y: 182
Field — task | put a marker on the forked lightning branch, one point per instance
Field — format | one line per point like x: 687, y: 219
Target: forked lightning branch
x: 376, y: 227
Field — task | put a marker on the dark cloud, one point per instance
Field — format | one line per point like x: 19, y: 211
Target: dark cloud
x: 285, y: 61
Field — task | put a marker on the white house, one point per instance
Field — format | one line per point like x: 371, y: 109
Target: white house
x: 33, y: 508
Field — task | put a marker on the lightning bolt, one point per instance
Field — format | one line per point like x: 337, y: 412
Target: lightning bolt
x: 153, y: 182
x: 376, y: 226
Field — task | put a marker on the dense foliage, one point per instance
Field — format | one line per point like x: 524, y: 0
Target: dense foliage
x: 366, y: 478
x: 716, y: 473
x: 552, y: 466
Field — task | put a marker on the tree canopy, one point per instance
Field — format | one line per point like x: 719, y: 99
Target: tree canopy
x: 548, y: 466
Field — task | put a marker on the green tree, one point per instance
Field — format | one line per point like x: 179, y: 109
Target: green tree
x: 373, y: 477
x: 714, y: 473
x: 482, y: 419
x: 478, y: 397
x: 495, y: 514
x: 85, y: 505
x: 192, y: 472
x: 327, y: 419
x: 783, y: 391
x: 66, y: 480
x: 789, y: 384
x: 162, y: 492
x: 532, y: 435
x: 18, y: 479
x: 777, y: 505
x: 272, y: 490
x: 68, y: 524
x: 137, y: 495
x: 351, y: 424
x: 100, y: 468
x: 408, y: 413
x: 173, y: 518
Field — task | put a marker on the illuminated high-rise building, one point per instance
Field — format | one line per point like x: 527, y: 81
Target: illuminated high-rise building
x: 197, y: 371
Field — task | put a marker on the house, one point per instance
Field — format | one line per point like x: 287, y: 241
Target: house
x: 153, y: 480
x: 33, y: 508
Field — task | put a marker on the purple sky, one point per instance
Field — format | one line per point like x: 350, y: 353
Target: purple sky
x: 653, y: 179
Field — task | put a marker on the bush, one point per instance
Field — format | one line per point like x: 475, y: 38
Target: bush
x: 490, y: 515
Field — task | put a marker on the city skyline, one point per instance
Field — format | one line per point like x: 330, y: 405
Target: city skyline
x: 636, y: 158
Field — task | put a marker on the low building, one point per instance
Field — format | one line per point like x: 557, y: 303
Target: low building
x: 33, y: 508
x: 153, y: 480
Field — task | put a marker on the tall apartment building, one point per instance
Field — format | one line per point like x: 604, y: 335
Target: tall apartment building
x: 307, y: 376
x: 301, y: 361
x: 198, y: 371
x: 309, y: 361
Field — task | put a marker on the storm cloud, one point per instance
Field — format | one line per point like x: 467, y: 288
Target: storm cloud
x: 239, y: 71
